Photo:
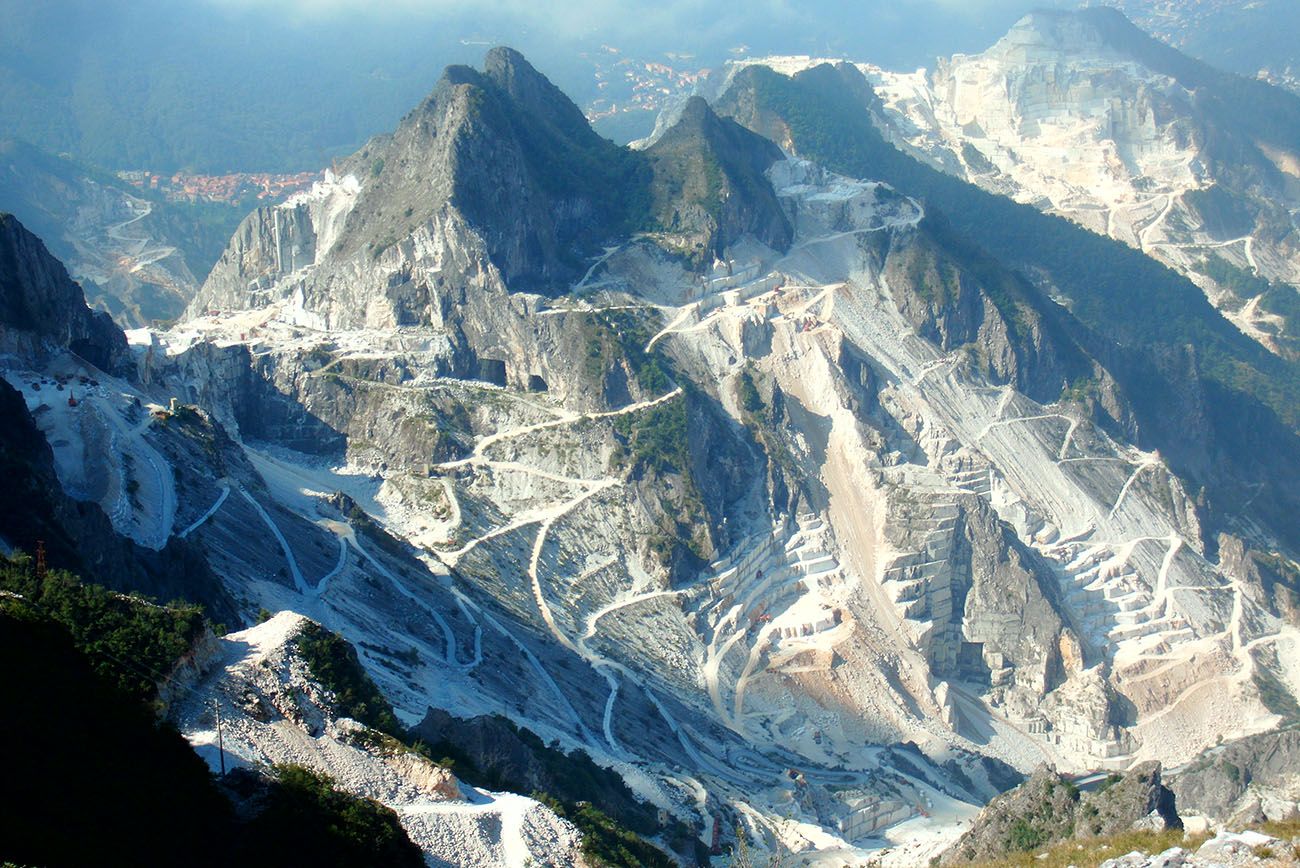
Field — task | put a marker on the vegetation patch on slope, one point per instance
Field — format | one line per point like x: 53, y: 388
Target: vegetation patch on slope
x: 303, y: 819
x: 131, y: 642
x: 334, y: 665
x: 1047, y: 809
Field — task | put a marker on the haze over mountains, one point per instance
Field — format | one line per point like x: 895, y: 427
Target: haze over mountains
x: 223, y: 85
x: 806, y: 475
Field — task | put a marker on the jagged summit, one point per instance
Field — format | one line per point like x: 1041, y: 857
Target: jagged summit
x: 534, y: 93
x: 500, y: 171
x: 709, y: 183
x: 501, y: 154
x: 509, y: 152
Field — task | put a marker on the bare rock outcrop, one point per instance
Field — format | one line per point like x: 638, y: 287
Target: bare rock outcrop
x: 1047, y: 809
x: 43, y: 310
x: 1248, y: 780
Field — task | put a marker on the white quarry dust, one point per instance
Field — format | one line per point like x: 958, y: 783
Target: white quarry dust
x: 330, y: 200
x: 802, y: 646
x: 916, y: 841
x: 98, y: 434
x: 271, y: 713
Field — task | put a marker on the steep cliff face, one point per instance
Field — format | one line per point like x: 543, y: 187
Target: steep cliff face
x: 1247, y: 781
x: 1059, y: 76
x: 42, y: 310
x: 1013, y: 613
x: 278, y: 240
x: 709, y: 185
x: 959, y: 297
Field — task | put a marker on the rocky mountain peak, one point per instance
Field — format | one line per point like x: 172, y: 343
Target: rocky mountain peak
x: 1057, y: 30
x: 695, y: 114
x: 504, y: 155
x: 709, y: 184
x: 500, y: 153
x: 1088, y: 117
x: 530, y: 174
x: 533, y: 93
x: 1093, y: 27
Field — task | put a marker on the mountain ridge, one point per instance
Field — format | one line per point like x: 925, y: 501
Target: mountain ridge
x: 43, y: 307
x: 1095, y: 297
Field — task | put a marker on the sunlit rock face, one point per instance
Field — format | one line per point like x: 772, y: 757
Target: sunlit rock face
x: 1081, y: 115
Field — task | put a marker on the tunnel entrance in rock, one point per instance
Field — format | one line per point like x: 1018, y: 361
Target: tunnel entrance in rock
x: 492, y: 371
x: 537, y: 384
x: 971, y: 664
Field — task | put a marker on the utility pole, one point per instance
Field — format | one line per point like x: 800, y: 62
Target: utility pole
x: 221, y: 746
x: 40, y: 559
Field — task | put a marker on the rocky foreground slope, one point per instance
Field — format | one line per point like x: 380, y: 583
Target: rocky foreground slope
x: 1116, y: 821
x: 1223, y: 850
x: 1047, y: 809
x: 273, y: 711
x: 737, y: 480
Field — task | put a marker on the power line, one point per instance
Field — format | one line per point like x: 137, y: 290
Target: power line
x: 221, y: 745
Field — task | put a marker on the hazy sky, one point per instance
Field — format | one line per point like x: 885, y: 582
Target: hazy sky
x: 287, y: 84
x: 903, y: 25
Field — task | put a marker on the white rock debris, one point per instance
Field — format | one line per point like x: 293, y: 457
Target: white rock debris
x: 1052, y: 116
x: 273, y: 713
